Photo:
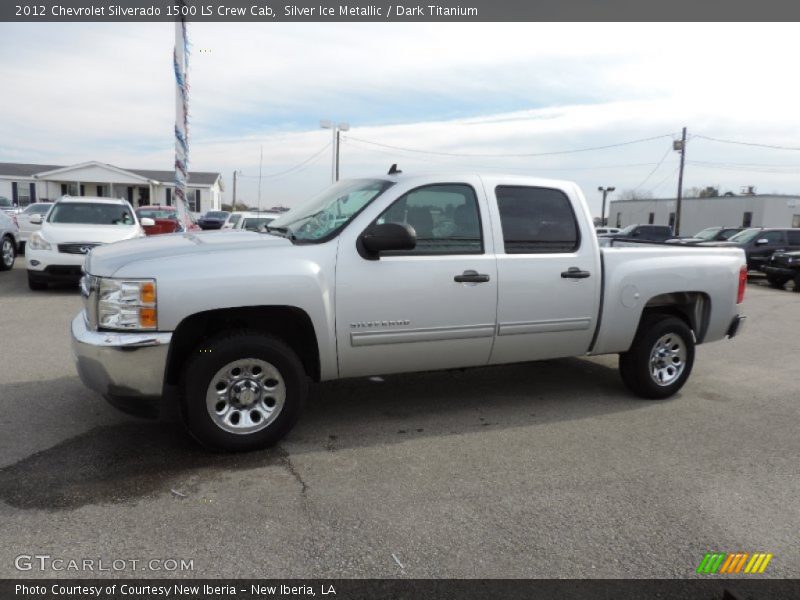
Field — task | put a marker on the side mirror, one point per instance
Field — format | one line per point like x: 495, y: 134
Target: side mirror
x: 36, y: 219
x: 388, y: 236
x: 762, y: 241
x: 147, y: 222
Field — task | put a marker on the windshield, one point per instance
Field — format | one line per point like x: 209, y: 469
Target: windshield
x: 215, y: 214
x: 234, y: 219
x: 157, y: 214
x: 5, y: 202
x: 325, y: 215
x: 744, y: 236
x: 628, y: 229
x: 707, y: 234
x: 37, y: 209
x: 91, y: 213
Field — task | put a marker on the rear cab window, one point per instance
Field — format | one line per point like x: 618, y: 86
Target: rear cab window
x: 536, y: 220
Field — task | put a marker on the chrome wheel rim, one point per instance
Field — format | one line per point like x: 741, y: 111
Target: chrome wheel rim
x: 8, y: 253
x: 245, y: 396
x: 667, y: 359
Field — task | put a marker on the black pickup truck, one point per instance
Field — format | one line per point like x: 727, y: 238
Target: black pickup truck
x: 783, y: 267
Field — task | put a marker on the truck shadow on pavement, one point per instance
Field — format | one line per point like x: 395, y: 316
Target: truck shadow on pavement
x: 138, y: 459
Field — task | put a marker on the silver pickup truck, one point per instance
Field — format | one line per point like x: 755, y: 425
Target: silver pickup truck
x: 391, y: 274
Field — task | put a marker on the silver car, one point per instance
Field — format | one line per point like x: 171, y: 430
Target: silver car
x: 9, y: 233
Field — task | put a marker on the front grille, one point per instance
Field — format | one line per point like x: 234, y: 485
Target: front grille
x: 77, y: 248
x: 64, y: 271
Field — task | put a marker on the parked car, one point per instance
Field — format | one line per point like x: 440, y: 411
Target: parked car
x: 7, y: 206
x: 606, y: 230
x: 166, y: 220
x: 71, y: 229
x: 9, y: 241
x: 710, y: 234
x: 760, y: 243
x: 26, y: 226
x: 232, y: 220
x: 782, y: 268
x: 391, y: 274
x: 650, y: 233
x: 213, y: 219
x: 255, y: 221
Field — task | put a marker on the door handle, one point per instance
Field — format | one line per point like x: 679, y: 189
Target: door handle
x: 574, y: 273
x: 471, y: 277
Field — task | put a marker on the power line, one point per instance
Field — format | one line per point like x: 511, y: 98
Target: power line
x: 646, y: 179
x: 741, y: 143
x: 295, y: 168
x: 778, y: 169
x: 526, y: 155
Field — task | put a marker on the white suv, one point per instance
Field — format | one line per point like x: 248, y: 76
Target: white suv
x: 72, y: 227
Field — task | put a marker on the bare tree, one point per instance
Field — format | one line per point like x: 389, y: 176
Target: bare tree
x: 632, y: 194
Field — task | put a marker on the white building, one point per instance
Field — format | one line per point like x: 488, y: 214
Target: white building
x: 26, y: 183
x: 756, y: 210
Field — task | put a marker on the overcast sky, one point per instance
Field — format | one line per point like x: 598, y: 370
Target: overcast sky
x: 78, y: 92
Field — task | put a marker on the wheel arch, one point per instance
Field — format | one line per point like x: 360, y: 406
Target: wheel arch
x: 290, y: 324
x: 693, y: 308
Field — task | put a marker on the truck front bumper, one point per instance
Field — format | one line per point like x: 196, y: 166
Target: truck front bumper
x: 127, y: 369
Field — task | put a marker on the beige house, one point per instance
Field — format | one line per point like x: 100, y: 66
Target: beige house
x: 26, y: 183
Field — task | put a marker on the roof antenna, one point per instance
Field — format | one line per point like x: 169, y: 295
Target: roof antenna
x: 393, y: 170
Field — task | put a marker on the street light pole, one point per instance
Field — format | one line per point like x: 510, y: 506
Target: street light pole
x: 605, y: 191
x: 337, y: 128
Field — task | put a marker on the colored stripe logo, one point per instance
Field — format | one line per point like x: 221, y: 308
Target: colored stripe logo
x: 725, y: 563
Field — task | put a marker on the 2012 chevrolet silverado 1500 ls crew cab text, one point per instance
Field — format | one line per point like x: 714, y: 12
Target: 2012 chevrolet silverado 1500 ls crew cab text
x: 393, y: 274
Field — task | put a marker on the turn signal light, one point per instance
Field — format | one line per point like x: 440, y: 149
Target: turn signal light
x: 742, y: 284
x: 148, y: 318
x: 147, y: 292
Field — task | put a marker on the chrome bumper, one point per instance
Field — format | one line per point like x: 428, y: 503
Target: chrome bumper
x: 120, y: 366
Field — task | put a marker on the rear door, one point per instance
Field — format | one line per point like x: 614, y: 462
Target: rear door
x: 549, y: 273
x: 772, y: 241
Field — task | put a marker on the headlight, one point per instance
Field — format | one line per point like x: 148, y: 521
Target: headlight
x: 127, y: 304
x: 37, y: 242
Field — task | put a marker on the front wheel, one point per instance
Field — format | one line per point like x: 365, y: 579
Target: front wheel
x: 8, y: 252
x: 242, y: 391
x: 660, y: 359
x: 776, y: 282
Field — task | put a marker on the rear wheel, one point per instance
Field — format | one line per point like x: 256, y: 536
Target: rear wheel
x: 660, y: 359
x: 776, y: 282
x: 8, y: 253
x: 242, y: 391
x: 35, y: 284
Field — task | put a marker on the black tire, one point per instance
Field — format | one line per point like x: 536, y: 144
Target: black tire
x: 8, y: 253
x: 776, y: 282
x: 35, y: 284
x: 210, y: 358
x: 635, y: 367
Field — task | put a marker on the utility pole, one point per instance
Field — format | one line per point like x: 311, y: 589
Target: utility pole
x: 233, y: 206
x: 605, y: 191
x: 260, y: 163
x: 337, y: 128
x: 680, y: 146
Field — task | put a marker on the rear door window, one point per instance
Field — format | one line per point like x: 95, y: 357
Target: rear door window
x: 536, y: 220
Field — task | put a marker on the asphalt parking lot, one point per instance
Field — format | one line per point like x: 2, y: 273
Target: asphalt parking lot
x: 536, y: 470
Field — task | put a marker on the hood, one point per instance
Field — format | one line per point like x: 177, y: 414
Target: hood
x: 105, y: 260
x: 98, y: 234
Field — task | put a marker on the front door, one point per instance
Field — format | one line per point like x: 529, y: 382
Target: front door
x: 549, y: 276
x: 430, y: 308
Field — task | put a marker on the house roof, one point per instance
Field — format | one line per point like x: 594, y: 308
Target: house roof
x: 30, y: 170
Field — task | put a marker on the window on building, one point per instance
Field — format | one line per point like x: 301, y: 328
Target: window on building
x: 144, y: 196
x: 796, y: 221
x: 445, y: 218
x: 130, y: 194
x: 69, y: 189
x: 651, y: 218
x: 169, y: 196
x: 536, y: 220
x: 672, y: 220
x: 83, y: 190
x: 101, y: 189
x: 196, y: 201
x: 747, y: 219
x: 619, y: 220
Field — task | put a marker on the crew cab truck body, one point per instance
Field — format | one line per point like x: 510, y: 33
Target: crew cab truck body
x: 388, y: 275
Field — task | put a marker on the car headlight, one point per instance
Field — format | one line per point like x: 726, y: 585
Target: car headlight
x: 37, y: 242
x: 127, y: 304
